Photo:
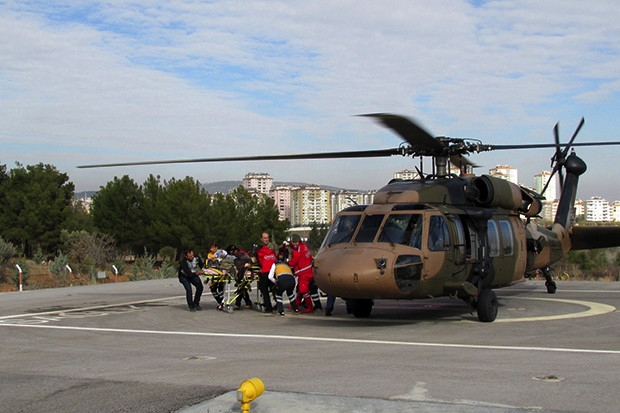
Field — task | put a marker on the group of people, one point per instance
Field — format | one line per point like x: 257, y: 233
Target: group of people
x: 279, y: 274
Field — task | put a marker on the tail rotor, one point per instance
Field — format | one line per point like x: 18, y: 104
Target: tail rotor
x: 559, y: 157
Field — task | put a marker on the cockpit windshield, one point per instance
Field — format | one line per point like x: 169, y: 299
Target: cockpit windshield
x: 403, y: 229
x: 342, y: 230
x: 369, y: 228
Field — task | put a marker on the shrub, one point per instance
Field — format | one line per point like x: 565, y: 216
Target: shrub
x: 7, y: 251
x: 167, y: 270
x: 167, y: 253
x: 143, y: 268
x: 59, y: 270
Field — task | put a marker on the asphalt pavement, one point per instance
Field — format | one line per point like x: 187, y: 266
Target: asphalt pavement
x: 134, y: 347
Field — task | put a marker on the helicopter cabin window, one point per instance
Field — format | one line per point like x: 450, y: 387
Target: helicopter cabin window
x: 438, y: 235
x: 461, y: 241
x: 342, y: 230
x: 368, y: 229
x: 493, y: 236
x: 507, y: 243
x: 402, y: 229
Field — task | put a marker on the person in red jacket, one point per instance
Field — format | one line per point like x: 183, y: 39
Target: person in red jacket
x: 266, y: 257
x: 301, y: 263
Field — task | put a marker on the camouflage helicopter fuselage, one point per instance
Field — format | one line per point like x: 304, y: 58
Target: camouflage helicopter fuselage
x: 435, y: 237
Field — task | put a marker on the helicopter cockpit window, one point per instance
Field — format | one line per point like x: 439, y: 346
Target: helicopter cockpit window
x: 438, y: 235
x: 342, y: 230
x: 368, y: 230
x: 507, y: 243
x: 403, y: 229
x: 493, y: 239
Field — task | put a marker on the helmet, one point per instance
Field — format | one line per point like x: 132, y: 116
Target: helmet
x: 295, y: 238
x: 231, y: 249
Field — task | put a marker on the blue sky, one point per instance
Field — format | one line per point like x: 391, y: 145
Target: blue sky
x: 86, y: 82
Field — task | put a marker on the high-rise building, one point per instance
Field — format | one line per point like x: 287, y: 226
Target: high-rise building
x: 310, y: 204
x: 540, y: 180
x: 615, y: 211
x: 580, y: 209
x: 597, y: 209
x: 346, y: 198
x: 258, y: 182
x: 549, y: 209
x: 506, y: 172
x: 281, y: 194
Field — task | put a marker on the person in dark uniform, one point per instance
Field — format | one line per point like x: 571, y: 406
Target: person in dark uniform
x: 190, y: 268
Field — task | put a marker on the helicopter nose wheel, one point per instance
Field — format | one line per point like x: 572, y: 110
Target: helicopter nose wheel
x: 487, y: 306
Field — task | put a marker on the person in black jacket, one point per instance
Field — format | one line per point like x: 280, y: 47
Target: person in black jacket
x: 242, y: 263
x: 190, y: 268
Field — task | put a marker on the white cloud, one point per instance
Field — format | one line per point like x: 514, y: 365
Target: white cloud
x: 85, y: 82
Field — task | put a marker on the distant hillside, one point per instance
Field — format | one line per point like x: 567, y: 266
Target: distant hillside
x: 225, y: 187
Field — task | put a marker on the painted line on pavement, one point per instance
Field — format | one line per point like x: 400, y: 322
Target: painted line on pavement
x: 319, y: 339
x: 96, y: 307
x: 593, y: 309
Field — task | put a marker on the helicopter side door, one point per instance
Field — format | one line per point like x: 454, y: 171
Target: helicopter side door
x: 505, y: 249
x: 436, y: 258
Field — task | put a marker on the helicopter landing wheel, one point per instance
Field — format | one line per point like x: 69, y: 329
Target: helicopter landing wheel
x: 361, y: 308
x: 487, y: 306
x: 551, y: 286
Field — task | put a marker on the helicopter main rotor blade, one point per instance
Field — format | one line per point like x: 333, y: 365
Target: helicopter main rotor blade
x: 411, y: 132
x: 570, y: 142
x: 558, y: 157
x: 544, y: 145
x: 459, y: 161
x: 321, y: 155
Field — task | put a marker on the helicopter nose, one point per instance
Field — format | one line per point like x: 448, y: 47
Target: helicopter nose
x: 371, y: 273
x: 353, y: 273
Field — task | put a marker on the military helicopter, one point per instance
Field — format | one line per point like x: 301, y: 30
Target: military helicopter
x: 444, y: 234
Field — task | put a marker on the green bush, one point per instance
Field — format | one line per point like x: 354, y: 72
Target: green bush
x: 143, y: 268
x: 7, y: 251
x: 168, y: 270
x: 59, y: 270
x: 167, y: 253
x: 39, y: 256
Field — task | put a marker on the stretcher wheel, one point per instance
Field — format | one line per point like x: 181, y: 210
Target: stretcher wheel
x: 228, y: 309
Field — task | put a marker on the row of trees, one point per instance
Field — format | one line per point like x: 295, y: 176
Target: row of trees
x: 40, y: 219
x: 180, y: 214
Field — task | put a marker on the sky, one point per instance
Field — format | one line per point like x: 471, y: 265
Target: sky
x: 87, y: 82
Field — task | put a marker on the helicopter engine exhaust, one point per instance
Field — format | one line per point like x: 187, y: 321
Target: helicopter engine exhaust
x: 494, y: 192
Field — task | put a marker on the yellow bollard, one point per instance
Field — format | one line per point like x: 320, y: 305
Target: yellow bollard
x: 248, y: 391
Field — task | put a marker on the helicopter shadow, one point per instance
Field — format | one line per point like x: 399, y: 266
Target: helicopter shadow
x: 396, y: 312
